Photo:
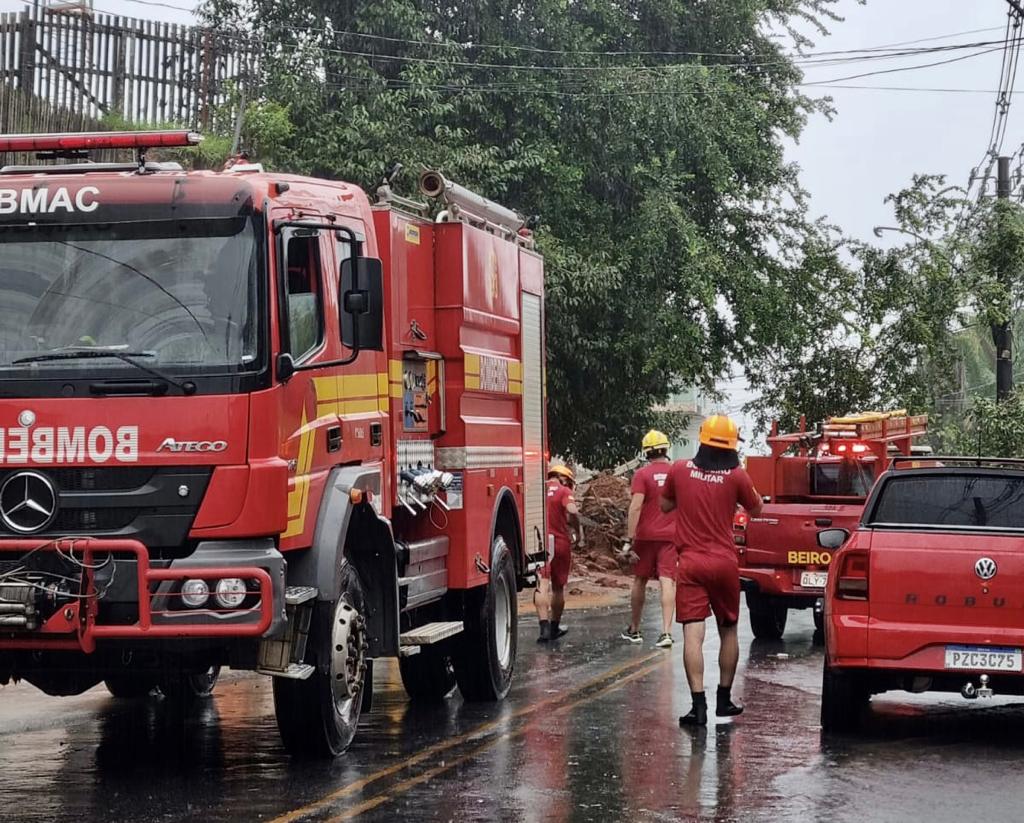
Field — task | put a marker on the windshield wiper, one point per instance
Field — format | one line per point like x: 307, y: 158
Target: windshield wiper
x: 89, y: 353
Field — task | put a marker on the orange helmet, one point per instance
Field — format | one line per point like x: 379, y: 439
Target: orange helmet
x: 720, y: 432
x: 562, y: 471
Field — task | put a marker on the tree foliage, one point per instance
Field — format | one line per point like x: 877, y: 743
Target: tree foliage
x: 647, y: 135
x: 917, y: 322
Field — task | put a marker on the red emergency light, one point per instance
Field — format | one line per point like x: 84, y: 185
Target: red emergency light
x: 84, y: 141
x: 850, y: 448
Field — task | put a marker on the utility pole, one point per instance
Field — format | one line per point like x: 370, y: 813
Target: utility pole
x: 1001, y: 332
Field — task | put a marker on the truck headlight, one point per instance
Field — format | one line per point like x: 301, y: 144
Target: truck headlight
x: 231, y: 592
x: 195, y: 593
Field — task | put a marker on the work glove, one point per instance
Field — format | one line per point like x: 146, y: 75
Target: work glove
x: 627, y: 553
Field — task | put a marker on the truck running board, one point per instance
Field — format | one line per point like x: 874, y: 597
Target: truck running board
x: 295, y: 671
x: 295, y: 595
x: 430, y: 633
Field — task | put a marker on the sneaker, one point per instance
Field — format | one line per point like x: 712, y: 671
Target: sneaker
x: 664, y: 641
x: 632, y: 636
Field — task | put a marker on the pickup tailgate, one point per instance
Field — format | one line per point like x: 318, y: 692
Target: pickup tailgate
x: 784, y: 540
x: 946, y: 568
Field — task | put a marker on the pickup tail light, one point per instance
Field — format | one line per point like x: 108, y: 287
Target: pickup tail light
x: 852, y: 581
x: 739, y: 528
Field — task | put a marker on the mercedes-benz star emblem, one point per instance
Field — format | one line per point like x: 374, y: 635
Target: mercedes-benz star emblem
x: 985, y: 568
x: 28, y: 502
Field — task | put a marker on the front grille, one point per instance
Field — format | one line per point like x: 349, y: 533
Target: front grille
x: 154, y: 505
x: 102, y: 479
x: 75, y: 521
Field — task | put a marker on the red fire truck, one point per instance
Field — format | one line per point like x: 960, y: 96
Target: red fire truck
x: 251, y: 420
x: 811, y: 480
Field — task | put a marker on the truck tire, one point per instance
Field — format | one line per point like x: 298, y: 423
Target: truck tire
x: 767, y: 621
x: 428, y: 677
x: 819, y: 622
x: 129, y: 687
x: 183, y: 687
x: 485, y: 651
x: 317, y: 717
x: 843, y: 700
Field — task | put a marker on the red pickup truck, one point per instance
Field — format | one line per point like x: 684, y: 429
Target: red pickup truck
x: 927, y: 594
x: 811, y: 479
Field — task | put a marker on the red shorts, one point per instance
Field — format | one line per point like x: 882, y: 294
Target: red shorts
x: 557, y: 568
x: 657, y: 559
x: 708, y: 583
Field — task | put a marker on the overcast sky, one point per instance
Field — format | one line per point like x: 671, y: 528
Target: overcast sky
x: 877, y: 139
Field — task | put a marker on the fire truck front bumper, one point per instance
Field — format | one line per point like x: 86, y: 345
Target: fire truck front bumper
x: 71, y: 593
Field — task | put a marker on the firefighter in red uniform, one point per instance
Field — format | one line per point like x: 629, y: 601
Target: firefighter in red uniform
x: 564, y: 530
x: 704, y: 493
x: 650, y: 542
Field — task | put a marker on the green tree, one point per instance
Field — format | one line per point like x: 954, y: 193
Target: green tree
x: 917, y: 323
x: 647, y: 135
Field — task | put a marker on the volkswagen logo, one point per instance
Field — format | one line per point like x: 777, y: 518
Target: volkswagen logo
x: 985, y: 568
x: 28, y: 502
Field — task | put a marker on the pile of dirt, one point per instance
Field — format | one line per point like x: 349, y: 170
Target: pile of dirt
x: 604, y: 505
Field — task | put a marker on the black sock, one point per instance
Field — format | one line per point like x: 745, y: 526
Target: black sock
x: 725, y: 707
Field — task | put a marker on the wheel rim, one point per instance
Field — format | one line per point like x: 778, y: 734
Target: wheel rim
x: 348, y: 658
x: 502, y: 621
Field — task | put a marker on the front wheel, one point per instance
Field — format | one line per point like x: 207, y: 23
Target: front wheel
x: 767, y: 621
x: 318, y: 717
x: 485, y: 655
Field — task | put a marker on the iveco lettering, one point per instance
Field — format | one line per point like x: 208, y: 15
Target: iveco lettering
x: 257, y: 419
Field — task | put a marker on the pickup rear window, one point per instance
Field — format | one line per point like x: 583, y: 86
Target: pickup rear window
x: 959, y: 500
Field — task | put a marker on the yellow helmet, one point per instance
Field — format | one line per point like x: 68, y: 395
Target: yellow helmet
x: 720, y: 432
x: 654, y: 440
x: 563, y: 471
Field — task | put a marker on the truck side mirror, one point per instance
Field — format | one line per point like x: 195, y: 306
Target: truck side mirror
x: 362, y: 303
x: 832, y: 538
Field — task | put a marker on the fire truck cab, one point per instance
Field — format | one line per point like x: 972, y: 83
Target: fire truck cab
x: 251, y: 419
x: 811, y: 480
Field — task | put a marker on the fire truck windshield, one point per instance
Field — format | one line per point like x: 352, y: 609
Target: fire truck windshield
x: 180, y: 293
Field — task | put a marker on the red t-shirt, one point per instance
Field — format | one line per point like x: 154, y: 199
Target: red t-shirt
x: 559, y: 498
x: 706, y: 504
x: 654, y: 524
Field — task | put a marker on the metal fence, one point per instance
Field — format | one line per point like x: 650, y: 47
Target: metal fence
x: 100, y: 64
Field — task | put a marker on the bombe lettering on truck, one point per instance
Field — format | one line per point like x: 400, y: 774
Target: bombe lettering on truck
x: 42, y: 200
x: 809, y: 558
x: 68, y: 445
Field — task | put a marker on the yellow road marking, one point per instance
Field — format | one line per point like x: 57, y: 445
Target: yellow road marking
x: 404, y: 785
x: 445, y: 745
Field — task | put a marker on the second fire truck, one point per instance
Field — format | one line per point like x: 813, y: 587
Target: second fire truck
x: 812, y: 480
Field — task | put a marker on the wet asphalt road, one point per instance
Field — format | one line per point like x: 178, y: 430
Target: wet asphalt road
x: 589, y: 733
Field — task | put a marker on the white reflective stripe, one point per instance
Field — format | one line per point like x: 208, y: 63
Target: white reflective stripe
x: 415, y: 452
x: 535, y: 467
x: 479, y: 457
